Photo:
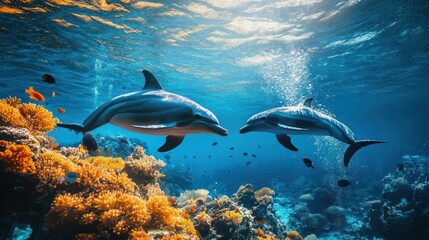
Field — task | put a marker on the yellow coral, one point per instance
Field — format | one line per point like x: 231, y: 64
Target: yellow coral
x: 233, y: 217
x: 293, y: 235
x: 265, y: 191
x: 17, y: 158
x: 107, y: 162
x: 143, y: 169
x: 203, y: 217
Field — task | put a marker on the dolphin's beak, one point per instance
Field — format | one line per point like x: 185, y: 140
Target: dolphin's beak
x: 247, y: 128
x: 219, y: 129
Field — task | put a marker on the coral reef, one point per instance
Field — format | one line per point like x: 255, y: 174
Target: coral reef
x: 16, y: 158
x: 403, y: 212
x: 143, y: 169
x: 229, y: 218
x: 33, y: 117
x: 101, y: 203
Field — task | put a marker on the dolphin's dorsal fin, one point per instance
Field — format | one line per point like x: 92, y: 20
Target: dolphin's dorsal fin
x: 306, y: 102
x: 151, y: 83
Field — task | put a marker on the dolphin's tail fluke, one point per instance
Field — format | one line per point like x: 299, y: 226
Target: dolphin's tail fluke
x: 356, y: 146
x: 73, y: 126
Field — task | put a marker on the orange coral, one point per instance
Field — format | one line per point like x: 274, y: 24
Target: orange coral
x: 233, y: 217
x: 107, y: 162
x: 139, y: 234
x: 31, y: 116
x: 10, y: 116
x: 162, y: 213
x: 174, y: 237
x: 52, y: 166
x: 118, y: 212
x: 17, y: 158
x: 293, y: 235
x: 86, y: 236
x: 37, y: 117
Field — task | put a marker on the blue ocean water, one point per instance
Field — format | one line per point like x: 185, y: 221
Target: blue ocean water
x: 364, y: 62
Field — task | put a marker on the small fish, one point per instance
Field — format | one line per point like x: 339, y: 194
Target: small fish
x: 167, y: 156
x: 123, y: 140
x: 214, y: 144
x: 400, y: 166
x: 53, y: 94
x: 70, y: 177
x: 343, y: 183
x: 61, y: 110
x: 48, y: 78
x: 89, y: 142
x: 253, y: 155
x: 123, y: 87
x: 308, y: 162
x: 210, y: 156
x: 231, y: 148
x: 229, y: 170
x: 248, y: 163
x: 260, y: 220
x: 194, y: 157
x: 259, y: 146
x: 35, y: 95
x: 230, y: 156
x: 185, y: 157
x: 245, y: 154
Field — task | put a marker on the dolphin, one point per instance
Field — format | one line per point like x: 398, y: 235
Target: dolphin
x: 153, y: 111
x: 303, y: 120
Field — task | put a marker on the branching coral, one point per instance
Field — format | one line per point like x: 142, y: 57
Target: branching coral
x: 16, y: 158
x: 162, y: 213
x: 233, y: 216
x: 143, y: 169
x: 37, y: 117
x: 10, y: 116
x: 120, y: 213
x: 52, y: 166
x: 107, y: 162
x: 31, y: 116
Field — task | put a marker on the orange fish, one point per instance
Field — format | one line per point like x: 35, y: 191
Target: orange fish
x: 260, y: 220
x: 35, y: 95
x: 61, y: 110
x: 53, y: 94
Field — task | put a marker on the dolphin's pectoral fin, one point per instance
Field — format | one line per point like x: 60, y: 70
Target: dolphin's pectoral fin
x: 306, y: 102
x: 284, y: 140
x: 151, y: 83
x: 155, y: 126
x: 171, y: 142
x: 291, y: 128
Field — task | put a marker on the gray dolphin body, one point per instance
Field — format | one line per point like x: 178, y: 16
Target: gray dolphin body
x: 153, y: 111
x: 304, y: 120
